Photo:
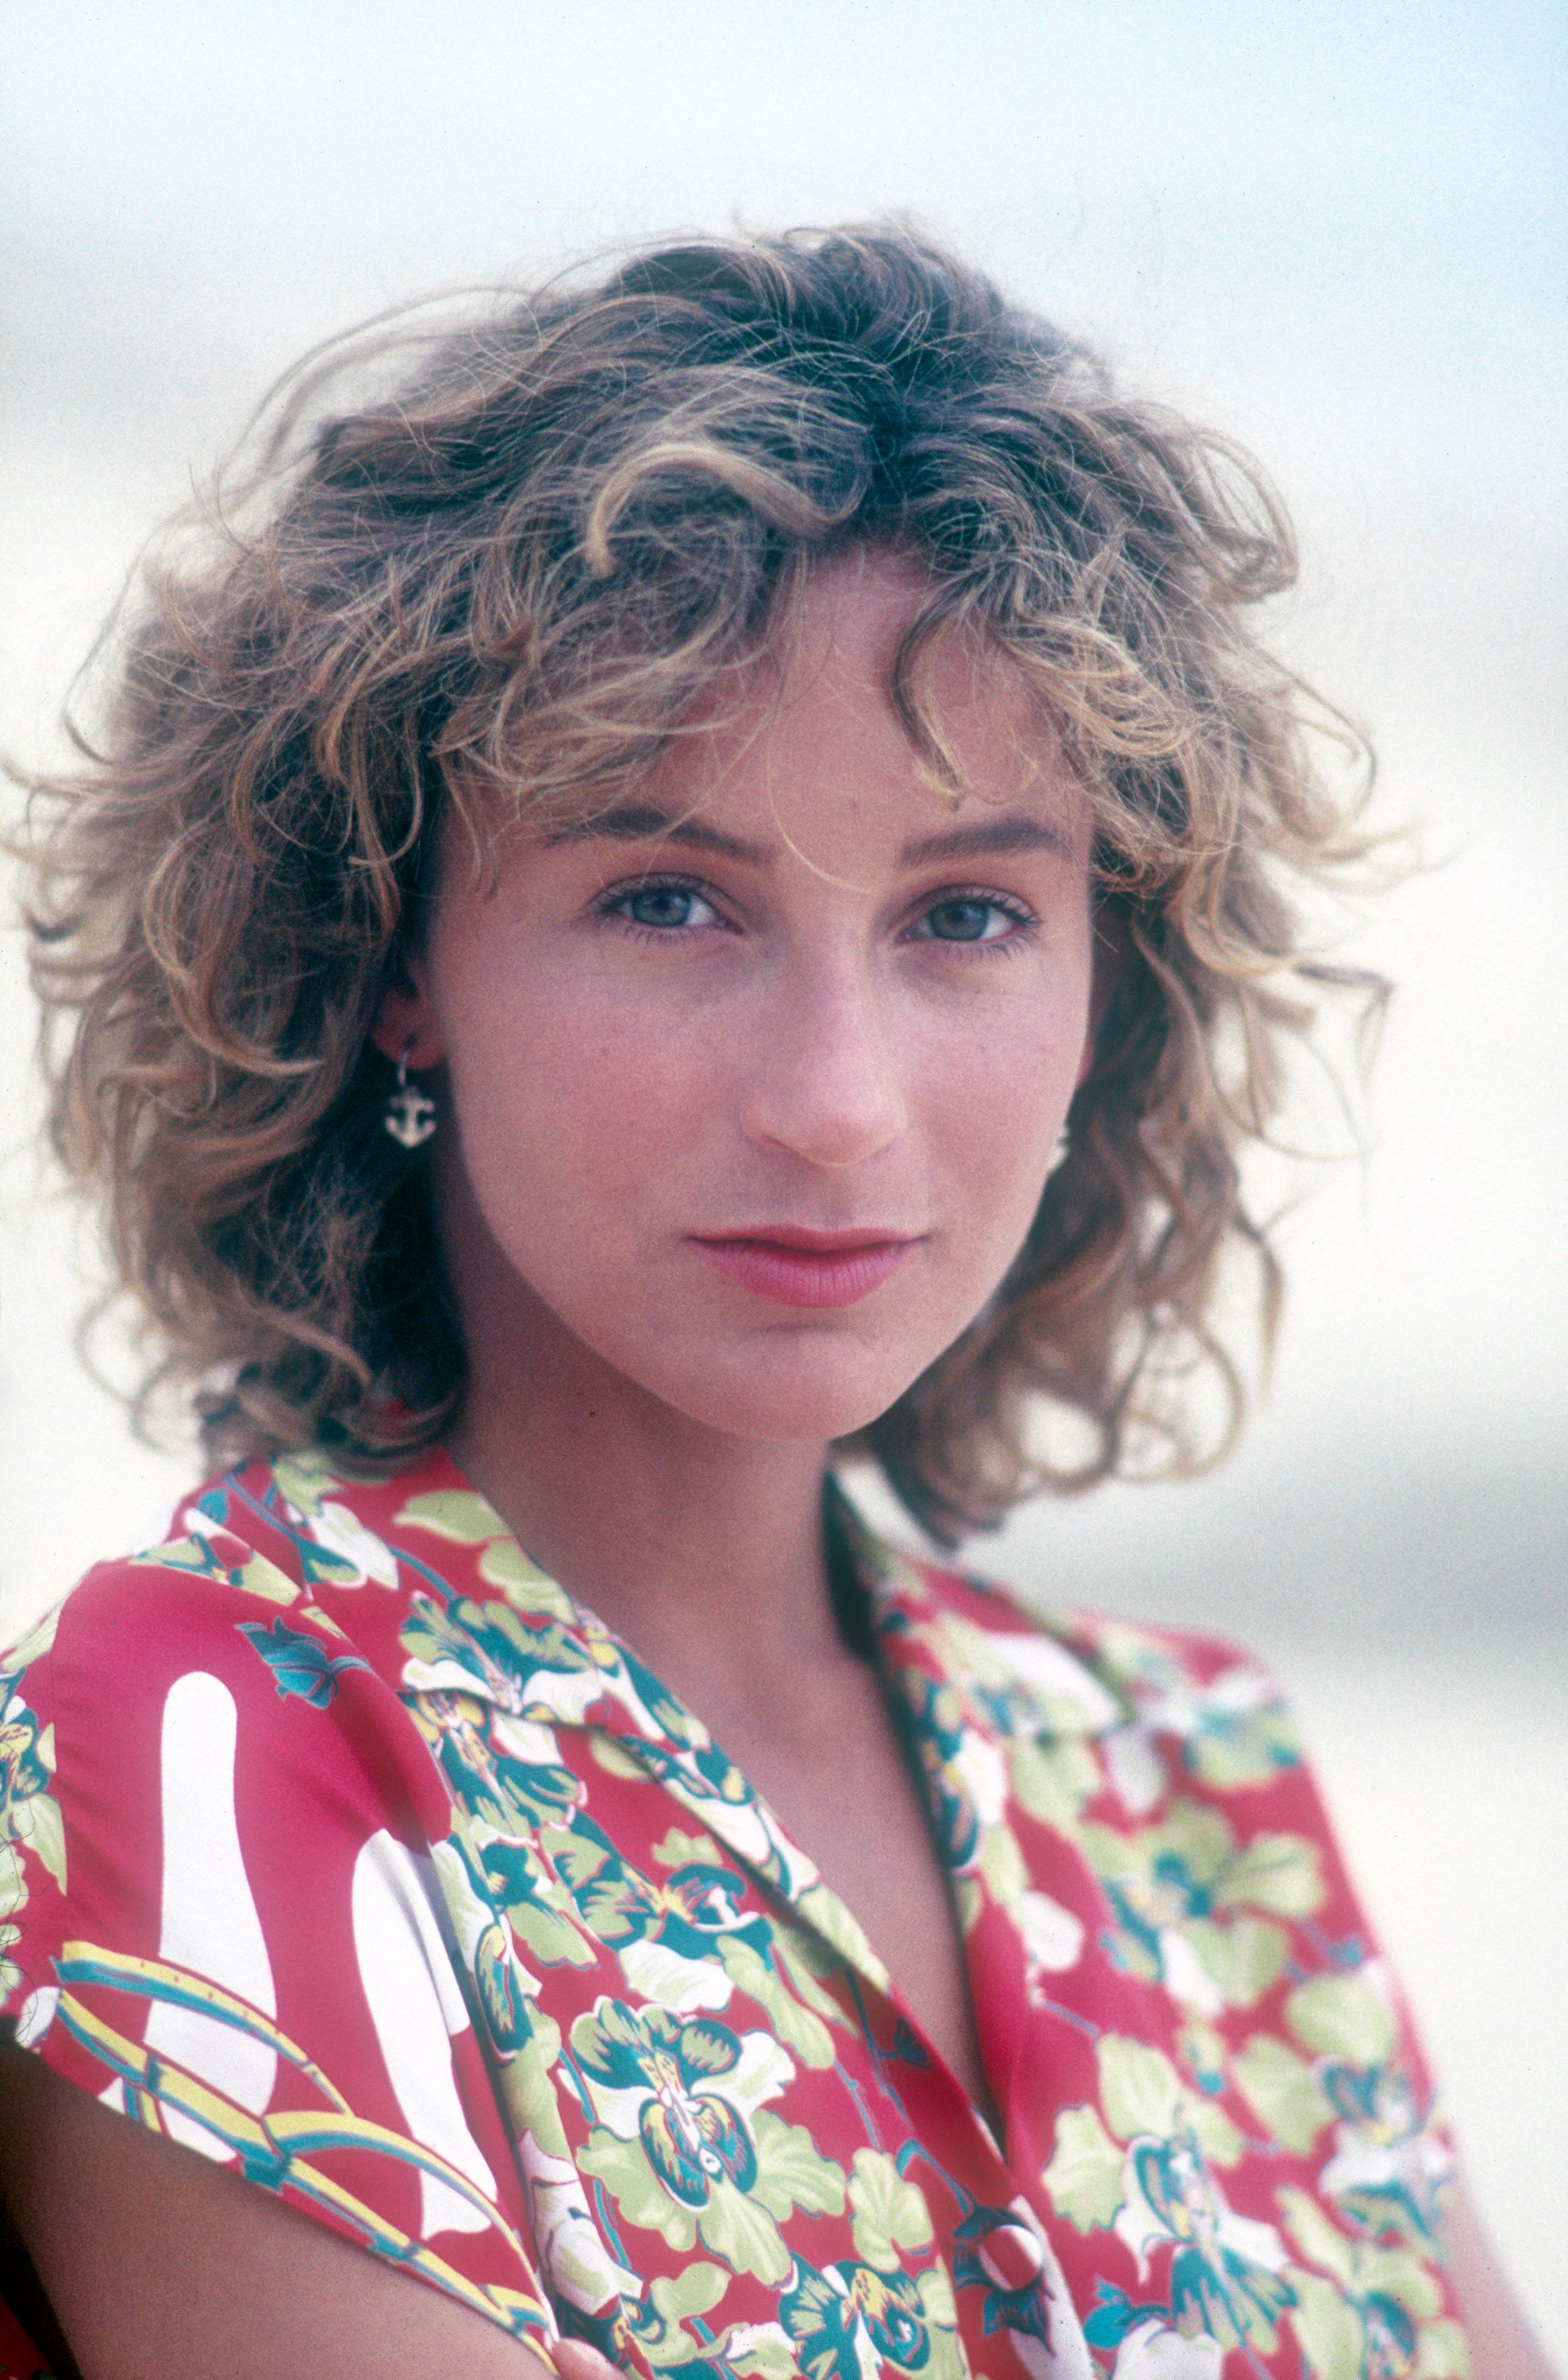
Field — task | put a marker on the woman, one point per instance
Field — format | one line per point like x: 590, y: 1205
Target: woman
x: 704, y: 884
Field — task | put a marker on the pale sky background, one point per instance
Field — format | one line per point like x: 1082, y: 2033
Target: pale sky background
x: 1339, y: 232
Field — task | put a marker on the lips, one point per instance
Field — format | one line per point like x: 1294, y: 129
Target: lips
x: 792, y: 1266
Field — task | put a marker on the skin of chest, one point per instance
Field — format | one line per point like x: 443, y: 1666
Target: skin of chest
x: 841, y: 1782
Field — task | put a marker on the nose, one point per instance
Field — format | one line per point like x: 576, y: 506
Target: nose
x: 825, y: 1083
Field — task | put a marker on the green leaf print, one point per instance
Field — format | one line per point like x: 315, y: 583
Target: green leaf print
x: 1145, y: 2098
x: 1244, y: 1957
x: 554, y: 1940
x: 1397, y: 2273
x: 1085, y: 2173
x: 1360, y: 2266
x: 791, y: 2171
x: 1329, y: 2332
x: 686, y: 1851
x: 1387, y: 2297
x: 457, y: 1514
x: 1282, y: 2091
x: 889, y: 2213
x: 1442, y: 2353
x: 806, y: 1962
x: 1315, y: 2237
x: 1053, y: 1780
x: 657, y: 2323
x: 668, y: 2346
x: 1140, y: 2089
x: 1199, y: 1837
x: 796, y: 2027
x: 734, y: 2227
x: 948, y: 2361
x: 505, y: 1564
x: 767, y: 2354
x: 1214, y: 2132
x: 1342, y: 2016
x: 1242, y: 1748
x: 1002, y: 1865
x: 824, y: 1908
x: 39, y: 1640
x: 610, y: 1754
x: 624, y: 2168
x: 40, y: 1826
x: 253, y: 1575
x: 1278, y: 1874
x: 695, y: 2289
x: 13, y: 1881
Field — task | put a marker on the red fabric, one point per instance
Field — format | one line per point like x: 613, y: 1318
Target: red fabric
x: 360, y: 1857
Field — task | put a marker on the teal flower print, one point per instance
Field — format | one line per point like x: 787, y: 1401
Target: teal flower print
x: 1389, y: 2165
x: 1234, y: 1731
x: 943, y: 1746
x: 1146, y: 2168
x: 1196, y: 1910
x: 694, y: 2137
x: 687, y: 1911
x: 301, y: 1664
x: 31, y: 1818
x: 849, y: 2320
x: 22, y: 1772
x: 516, y: 1877
x: 531, y: 1665
x: 684, y: 2141
x: 1372, y: 2311
x: 1388, y: 2169
x: 1227, y: 2275
x: 507, y: 1773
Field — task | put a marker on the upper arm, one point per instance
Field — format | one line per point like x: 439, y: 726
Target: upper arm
x: 161, y: 2265
x: 224, y: 1921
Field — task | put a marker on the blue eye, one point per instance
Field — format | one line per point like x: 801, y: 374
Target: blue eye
x: 664, y: 907
x: 967, y: 917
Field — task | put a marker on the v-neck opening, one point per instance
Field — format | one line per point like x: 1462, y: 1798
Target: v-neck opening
x: 865, y: 1597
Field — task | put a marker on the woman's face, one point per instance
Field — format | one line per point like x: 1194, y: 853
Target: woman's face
x: 753, y: 1084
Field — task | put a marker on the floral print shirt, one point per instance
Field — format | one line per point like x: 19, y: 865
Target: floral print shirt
x: 340, y: 1844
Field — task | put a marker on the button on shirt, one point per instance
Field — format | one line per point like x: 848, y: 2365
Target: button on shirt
x: 343, y: 1846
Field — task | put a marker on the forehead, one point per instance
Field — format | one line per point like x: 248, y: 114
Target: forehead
x: 812, y: 718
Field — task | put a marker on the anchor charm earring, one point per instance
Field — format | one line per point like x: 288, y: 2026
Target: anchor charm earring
x: 410, y: 1114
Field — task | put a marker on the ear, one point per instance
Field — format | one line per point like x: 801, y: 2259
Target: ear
x: 406, y: 1024
x: 1112, y: 942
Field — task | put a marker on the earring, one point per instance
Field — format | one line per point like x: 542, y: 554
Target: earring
x: 1059, y: 1154
x: 410, y: 1114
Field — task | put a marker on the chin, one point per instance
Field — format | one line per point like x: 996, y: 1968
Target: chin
x: 815, y: 1392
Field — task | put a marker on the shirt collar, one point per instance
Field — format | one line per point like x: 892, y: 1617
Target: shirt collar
x: 969, y: 1671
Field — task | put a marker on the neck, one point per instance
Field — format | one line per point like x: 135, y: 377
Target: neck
x: 704, y: 1550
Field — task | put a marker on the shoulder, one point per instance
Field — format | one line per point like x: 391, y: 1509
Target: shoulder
x: 253, y: 1646
x: 285, y: 1560
x: 207, y: 1724
x: 146, y: 1615
x: 1216, y: 1705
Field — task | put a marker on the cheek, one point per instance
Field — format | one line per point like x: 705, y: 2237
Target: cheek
x: 566, y: 1095
x: 991, y: 1099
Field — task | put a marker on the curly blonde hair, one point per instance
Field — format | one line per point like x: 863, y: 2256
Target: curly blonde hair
x: 492, y: 565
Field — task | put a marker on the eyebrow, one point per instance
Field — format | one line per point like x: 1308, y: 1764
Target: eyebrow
x: 642, y: 822
x: 1013, y: 831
